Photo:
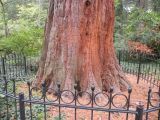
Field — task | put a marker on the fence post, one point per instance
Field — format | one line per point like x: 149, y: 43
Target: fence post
x: 139, y: 110
x: 139, y: 67
x: 21, y: 106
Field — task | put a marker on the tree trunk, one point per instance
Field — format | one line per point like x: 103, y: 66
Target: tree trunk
x: 156, y: 5
x: 143, y: 4
x: 4, y: 19
x: 78, y: 46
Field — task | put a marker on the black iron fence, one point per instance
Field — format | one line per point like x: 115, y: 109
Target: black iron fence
x: 145, y: 66
x: 24, y: 102
x: 17, y: 66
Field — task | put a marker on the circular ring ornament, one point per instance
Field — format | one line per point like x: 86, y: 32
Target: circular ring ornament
x: 67, y: 96
x: 117, y: 97
x: 36, y: 94
x: 84, y: 98
x: 51, y: 98
x: 101, y: 99
x: 155, y: 99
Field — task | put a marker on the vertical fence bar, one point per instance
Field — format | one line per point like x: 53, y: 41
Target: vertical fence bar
x: 6, y: 98
x: 21, y: 58
x: 15, y: 61
x: 15, y: 101
x: 44, y: 99
x: 13, y: 65
x: 30, y: 104
x: 134, y: 65
x: 110, y: 102
x: 148, y: 101
x: 154, y: 77
x: 92, y: 88
x: 139, y: 110
x: 21, y: 106
x: 25, y: 65
x: 128, y: 64
x: 8, y: 66
x: 145, y: 73
x: 6, y: 85
x: 139, y: 68
x: 59, y: 101
x: 3, y: 68
x: 19, y: 66
x: 128, y: 100
x: 75, y: 102
x: 148, y: 77
x: 142, y: 71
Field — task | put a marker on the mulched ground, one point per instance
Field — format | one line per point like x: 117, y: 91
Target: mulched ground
x: 138, y: 95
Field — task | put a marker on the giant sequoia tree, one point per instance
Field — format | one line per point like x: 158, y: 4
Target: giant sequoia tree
x: 78, y: 46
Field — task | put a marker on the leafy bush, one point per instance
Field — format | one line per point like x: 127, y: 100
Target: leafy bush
x: 27, y: 41
x: 25, y: 30
x: 141, y: 26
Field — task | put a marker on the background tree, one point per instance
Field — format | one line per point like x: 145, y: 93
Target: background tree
x: 78, y: 46
x: 156, y: 5
x: 25, y: 23
x: 4, y: 18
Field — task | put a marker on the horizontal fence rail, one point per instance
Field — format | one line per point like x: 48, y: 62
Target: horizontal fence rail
x: 32, y: 103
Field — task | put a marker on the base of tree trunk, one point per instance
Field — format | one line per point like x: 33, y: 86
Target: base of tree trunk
x: 112, y: 77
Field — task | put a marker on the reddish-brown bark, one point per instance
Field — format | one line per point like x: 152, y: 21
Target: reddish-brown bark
x: 78, y: 46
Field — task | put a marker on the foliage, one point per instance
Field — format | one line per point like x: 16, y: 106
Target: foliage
x: 32, y: 14
x: 26, y: 30
x: 63, y: 117
x: 141, y: 27
x: 3, y: 106
x: 137, y: 24
x: 119, y: 39
x: 26, y: 41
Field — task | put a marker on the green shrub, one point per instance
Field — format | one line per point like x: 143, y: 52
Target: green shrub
x: 27, y: 41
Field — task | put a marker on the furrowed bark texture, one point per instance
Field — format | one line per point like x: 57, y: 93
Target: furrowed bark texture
x: 78, y: 46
